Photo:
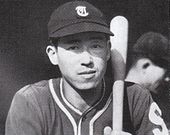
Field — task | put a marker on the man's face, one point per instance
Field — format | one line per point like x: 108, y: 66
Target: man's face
x: 82, y: 59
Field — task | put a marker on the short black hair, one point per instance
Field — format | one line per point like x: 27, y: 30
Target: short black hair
x: 53, y: 41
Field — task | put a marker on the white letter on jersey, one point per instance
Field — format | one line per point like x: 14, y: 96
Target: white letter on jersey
x: 155, y: 117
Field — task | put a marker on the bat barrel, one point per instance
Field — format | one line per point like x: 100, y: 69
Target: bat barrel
x: 119, y: 26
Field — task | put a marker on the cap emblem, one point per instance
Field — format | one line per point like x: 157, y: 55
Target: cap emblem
x: 81, y: 11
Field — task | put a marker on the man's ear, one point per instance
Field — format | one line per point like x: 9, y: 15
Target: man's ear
x: 144, y: 63
x: 52, y: 54
x: 109, y: 49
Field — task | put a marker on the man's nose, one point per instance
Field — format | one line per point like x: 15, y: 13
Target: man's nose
x: 87, y: 59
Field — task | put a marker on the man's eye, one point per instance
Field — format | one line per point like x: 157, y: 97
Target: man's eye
x: 73, y: 48
x: 97, y: 46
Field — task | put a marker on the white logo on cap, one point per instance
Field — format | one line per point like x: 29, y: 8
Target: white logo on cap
x: 81, y: 11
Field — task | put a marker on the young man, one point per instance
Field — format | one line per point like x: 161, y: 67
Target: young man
x: 149, y: 67
x: 79, y: 103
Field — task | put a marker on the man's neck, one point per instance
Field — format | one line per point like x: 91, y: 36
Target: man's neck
x: 82, y: 99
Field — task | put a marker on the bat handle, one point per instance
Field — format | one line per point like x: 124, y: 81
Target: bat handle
x: 118, y: 93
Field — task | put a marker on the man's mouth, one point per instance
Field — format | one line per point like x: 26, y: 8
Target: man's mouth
x: 87, y: 74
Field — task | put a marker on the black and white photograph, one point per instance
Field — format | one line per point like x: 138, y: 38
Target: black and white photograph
x: 84, y: 67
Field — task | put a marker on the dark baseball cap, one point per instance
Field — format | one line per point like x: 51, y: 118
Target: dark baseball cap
x: 154, y: 46
x: 77, y: 17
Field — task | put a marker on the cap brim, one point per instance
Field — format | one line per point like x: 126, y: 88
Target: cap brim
x: 79, y: 28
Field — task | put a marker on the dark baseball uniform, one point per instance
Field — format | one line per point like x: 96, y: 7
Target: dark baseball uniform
x: 42, y: 109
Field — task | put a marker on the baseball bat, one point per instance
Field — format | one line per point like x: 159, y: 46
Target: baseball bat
x: 119, y: 26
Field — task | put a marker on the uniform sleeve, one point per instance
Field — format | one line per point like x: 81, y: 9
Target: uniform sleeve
x: 147, y: 115
x: 23, y: 117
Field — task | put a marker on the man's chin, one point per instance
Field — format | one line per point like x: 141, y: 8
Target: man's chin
x: 86, y: 86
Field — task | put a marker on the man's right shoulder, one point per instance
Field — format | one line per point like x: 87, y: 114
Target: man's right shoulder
x: 39, y: 90
x: 33, y: 88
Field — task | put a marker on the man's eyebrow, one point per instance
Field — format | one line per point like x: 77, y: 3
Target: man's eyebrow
x: 73, y: 41
x: 97, y: 38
